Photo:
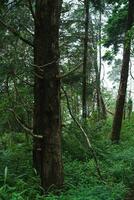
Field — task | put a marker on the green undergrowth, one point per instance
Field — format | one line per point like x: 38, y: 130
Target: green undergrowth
x: 19, y: 181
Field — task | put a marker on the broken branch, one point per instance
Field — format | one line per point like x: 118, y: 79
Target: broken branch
x: 84, y: 133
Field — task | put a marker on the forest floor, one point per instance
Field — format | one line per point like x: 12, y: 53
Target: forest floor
x: 19, y: 181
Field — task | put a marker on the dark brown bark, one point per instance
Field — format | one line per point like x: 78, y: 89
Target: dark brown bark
x: 84, y: 82
x: 47, y: 151
x: 117, y: 122
x: 103, y: 108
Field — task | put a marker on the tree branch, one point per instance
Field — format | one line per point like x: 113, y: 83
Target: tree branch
x: 84, y: 133
x: 31, y: 8
x: 15, y: 33
x: 70, y: 72
x: 20, y: 122
x: 26, y: 82
x: 111, y: 113
x: 45, y: 65
x: 24, y: 126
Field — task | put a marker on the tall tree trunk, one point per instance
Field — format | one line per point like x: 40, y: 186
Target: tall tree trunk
x: 101, y: 109
x: 84, y: 82
x: 117, y: 122
x: 100, y: 102
x: 47, y: 150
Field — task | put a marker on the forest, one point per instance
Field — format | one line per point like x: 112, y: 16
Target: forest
x: 66, y: 100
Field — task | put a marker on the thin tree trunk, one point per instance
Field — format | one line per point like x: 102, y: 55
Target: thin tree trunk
x: 117, y: 122
x: 101, y: 110
x: 84, y: 82
x: 47, y: 151
x: 103, y: 107
x: 98, y: 71
x: 100, y: 102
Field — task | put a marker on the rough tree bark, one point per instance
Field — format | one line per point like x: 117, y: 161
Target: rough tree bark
x: 84, y: 81
x: 47, y: 150
x: 117, y: 122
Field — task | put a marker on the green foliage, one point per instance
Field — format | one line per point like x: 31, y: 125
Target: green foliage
x: 18, y: 181
x: 115, y: 27
x: 108, y: 56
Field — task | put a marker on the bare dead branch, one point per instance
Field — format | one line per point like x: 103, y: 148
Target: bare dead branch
x: 40, y: 68
x: 24, y: 126
x: 18, y: 119
x: 84, y: 133
x: 45, y: 65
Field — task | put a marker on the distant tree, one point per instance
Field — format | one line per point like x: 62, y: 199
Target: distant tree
x: 129, y: 107
x: 85, y: 60
x: 114, y: 74
x: 117, y: 122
